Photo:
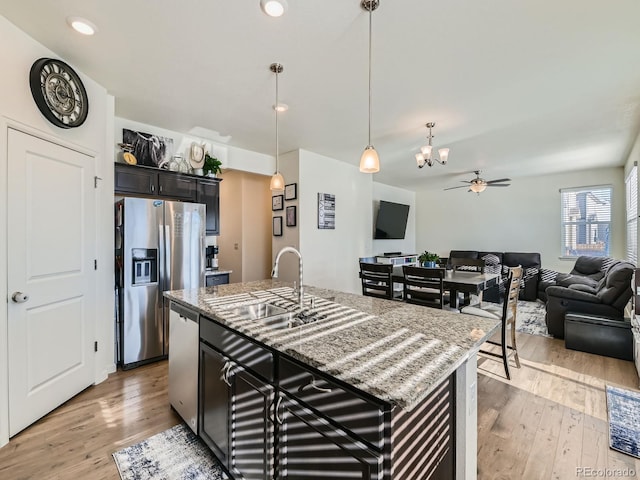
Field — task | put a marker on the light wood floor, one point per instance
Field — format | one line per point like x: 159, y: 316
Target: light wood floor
x: 543, y: 424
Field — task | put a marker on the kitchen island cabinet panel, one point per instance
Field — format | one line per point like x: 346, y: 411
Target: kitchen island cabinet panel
x: 215, y: 403
x: 311, y: 447
x: 252, y: 429
x: 342, y: 405
x: 411, y: 368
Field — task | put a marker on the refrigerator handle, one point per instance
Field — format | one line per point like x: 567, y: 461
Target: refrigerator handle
x: 161, y: 261
x: 167, y: 257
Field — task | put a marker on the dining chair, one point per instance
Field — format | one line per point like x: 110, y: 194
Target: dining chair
x: 468, y: 265
x: 507, y: 315
x: 424, y: 286
x: 377, y: 279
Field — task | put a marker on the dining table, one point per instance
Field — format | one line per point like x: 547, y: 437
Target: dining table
x: 455, y: 281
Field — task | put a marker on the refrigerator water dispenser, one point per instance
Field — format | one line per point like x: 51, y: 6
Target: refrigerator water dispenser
x: 145, y: 266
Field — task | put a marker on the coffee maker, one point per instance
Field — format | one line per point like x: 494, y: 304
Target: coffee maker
x: 212, y: 261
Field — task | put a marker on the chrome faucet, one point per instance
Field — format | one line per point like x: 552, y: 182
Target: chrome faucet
x: 274, y: 272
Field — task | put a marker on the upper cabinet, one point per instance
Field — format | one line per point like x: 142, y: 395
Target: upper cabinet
x: 209, y: 193
x: 152, y: 182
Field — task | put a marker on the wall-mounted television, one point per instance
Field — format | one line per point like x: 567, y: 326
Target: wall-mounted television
x: 391, y: 221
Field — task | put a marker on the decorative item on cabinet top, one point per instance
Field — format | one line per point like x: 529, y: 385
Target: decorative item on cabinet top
x: 149, y: 150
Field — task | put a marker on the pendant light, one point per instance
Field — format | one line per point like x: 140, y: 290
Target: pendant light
x: 369, y: 161
x: 277, y: 180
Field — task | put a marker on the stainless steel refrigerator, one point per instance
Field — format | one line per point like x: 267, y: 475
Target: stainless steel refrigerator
x: 160, y: 246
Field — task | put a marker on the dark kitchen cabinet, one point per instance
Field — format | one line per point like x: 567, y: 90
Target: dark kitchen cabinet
x: 310, y: 447
x: 215, y: 402
x: 252, y: 430
x: 208, y: 192
x: 237, y: 398
x: 133, y: 179
x: 156, y: 183
x: 268, y: 416
x: 176, y: 186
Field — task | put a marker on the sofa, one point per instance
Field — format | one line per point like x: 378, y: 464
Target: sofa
x: 586, y: 271
x: 608, y: 297
x: 499, y: 262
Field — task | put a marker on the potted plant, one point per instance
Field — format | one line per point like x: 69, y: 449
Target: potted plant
x: 427, y: 259
x: 211, y: 165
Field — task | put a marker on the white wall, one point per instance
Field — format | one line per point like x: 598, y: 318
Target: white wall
x: 524, y: 217
x: 331, y: 256
x: 397, y: 195
x: 18, y: 109
x: 288, y: 265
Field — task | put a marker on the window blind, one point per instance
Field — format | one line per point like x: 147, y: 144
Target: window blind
x: 631, y: 187
x: 586, y: 221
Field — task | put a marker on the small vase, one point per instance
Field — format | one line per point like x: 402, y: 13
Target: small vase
x: 429, y: 264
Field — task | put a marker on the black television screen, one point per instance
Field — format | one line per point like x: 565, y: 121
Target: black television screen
x: 391, y: 222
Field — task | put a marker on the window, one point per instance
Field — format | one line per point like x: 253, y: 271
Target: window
x: 586, y: 221
x: 631, y: 184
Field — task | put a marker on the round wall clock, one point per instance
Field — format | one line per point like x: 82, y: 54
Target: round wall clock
x: 58, y: 93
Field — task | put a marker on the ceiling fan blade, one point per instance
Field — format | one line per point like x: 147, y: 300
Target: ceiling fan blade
x: 451, y: 188
x: 499, y: 180
x: 498, y: 184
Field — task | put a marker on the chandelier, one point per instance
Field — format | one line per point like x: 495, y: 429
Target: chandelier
x: 425, y: 156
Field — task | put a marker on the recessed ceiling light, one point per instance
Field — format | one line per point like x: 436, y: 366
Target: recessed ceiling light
x: 82, y: 25
x: 273, y: 8
x: 281, y: 107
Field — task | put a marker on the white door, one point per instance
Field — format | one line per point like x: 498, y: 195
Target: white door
x: 51, y: 277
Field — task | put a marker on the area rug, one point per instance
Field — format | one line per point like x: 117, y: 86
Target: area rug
x: 175, y: 454
x: 623, y: 407
x: 530, y: 318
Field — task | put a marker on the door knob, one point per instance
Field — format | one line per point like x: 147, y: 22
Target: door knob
x: 19, y: 297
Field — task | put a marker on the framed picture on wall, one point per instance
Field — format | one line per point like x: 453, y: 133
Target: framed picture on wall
x: 277, y: 226
x: 326, y: 211
x: 277, y: 202
x: 291, y: 191
x: 291, y: 216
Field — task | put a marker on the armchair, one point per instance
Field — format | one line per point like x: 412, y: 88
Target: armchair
x: 607, y: 298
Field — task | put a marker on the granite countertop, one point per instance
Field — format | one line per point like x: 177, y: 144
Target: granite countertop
x: 392, y: 350
x: 217, y: 272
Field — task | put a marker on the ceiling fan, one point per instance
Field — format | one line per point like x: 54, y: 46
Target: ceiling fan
x: 478, y: 184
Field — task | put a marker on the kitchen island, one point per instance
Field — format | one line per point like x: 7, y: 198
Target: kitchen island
x: 349, y: 387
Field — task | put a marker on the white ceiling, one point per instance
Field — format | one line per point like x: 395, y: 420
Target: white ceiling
x: 516, y: 88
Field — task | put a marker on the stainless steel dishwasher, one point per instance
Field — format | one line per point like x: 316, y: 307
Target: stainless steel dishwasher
x: 184, y: 348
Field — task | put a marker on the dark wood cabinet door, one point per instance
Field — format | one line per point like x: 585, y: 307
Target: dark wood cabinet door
x: 211, y: 280
x: 176, y: 186
x: 310, y: 447
x: 135, y: 180
x: 209, y: 194
x: 215, y: 402
x: 252, y: 441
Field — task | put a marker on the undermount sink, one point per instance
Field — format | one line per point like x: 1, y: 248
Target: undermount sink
x: 257, y: 311
x: 269, y: 315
